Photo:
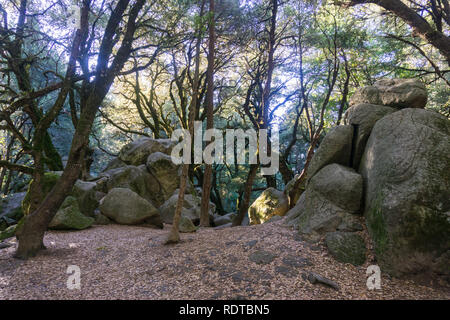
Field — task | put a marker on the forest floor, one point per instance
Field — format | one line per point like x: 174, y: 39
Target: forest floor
x: 122, y: 262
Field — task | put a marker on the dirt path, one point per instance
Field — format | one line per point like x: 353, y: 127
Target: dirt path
x: 120, y: 262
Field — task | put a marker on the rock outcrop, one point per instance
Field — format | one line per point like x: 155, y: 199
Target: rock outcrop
x: 270, y: 203
x: 11, y: 210
x: 137, y: 152
x: 333, y: 195
x: 406, y: 169
x: 69, y: 217
x: 191, y: 208
x: 396, y: 93
x: 129, y: 191
x: 126, y: 207
x: 402, y: 184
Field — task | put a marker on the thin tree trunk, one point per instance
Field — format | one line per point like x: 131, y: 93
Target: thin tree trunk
x: 285, y: 171
x: 271, y: 180
x: 299, y: 184
x: 344, y: 100
x: 206, y: 190
x: 174, y: 234
x: 245, y: 203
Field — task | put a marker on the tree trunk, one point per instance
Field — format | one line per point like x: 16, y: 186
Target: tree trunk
x: 299, y: 184
x: 206, y: 190
x: 245, y: 203
x: 285, y: 171
x: 31, y: 233
x: 174, y: 235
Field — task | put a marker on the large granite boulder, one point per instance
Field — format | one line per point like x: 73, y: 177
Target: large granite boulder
x: 137, y: 152
x: 225, y: 219
x: 69, y: 217
x: 332, y: 196
x: 270, y: 203
x: 161, y: 167
x: 363, y: 118
x: 406, y: 170
x: 11, y: 209
x: 186, y: 225
x: 397, y: 93
x: 336, y: 147
x: 114, y: 164
x: 191, y: 208
x: 127, y: 207
x: 346, y: 247
x: 136, y: 179
x: 86, y: 194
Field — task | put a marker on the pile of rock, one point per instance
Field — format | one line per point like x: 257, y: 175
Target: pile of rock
x: 388, y: 163
x: 140, y: 187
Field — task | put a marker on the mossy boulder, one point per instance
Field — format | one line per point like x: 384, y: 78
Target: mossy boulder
x: 363, y: 118
x: 191, y: 208
x: 115, y: 164
x: 396, y: 93
x: 137, y: 152
x: 270, y: 203
x: 100, y: 219
x: 8, y: 232
x: 336, y: 147
x: 11, y: 209
x: 333, y: 195
x: 186, y: 225
x: 406, y: 170
x: 225, y: 219
x: 86, y: 194
x: 69, y: 217
x: 346, y: 247
x: 136, y: 179
x: 126, y: 207
x: 161, y: 167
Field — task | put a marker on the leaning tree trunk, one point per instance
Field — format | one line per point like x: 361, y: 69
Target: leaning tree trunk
x: 299, y: 184
x: 245, y: 203
x: 31, y: 233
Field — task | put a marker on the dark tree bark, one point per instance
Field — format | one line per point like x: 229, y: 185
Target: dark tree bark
x: 264, y: 117
x: 31, y: 233
x: 344, y: 100
x: 245, y: 201
x: 206, y: 190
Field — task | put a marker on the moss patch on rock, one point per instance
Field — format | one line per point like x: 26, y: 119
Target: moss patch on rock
x: 346, y: 247
x: 186, y: 225
x: 69, y: 217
